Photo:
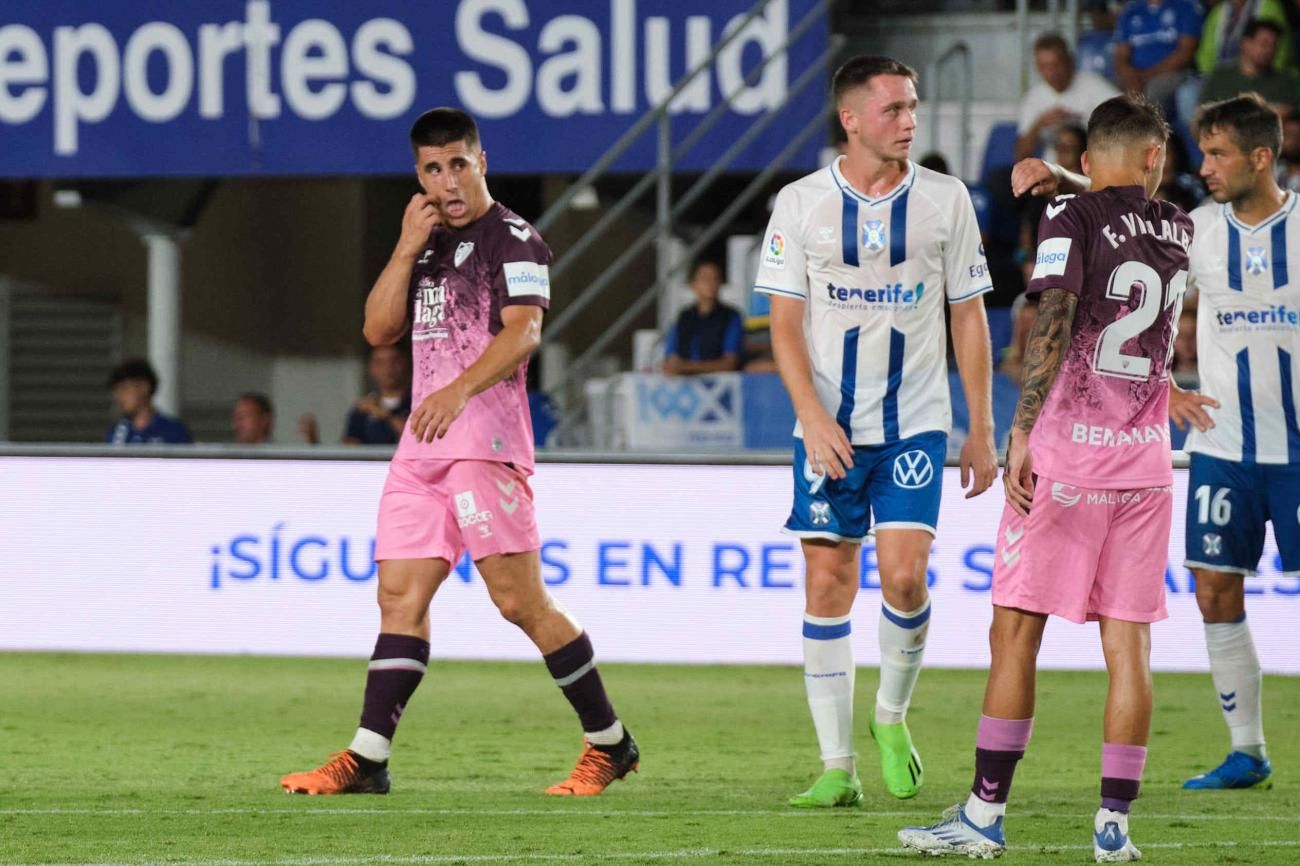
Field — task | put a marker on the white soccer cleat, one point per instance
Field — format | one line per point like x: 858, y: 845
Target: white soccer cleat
x: 955, y: 835
x: 1110, y: 841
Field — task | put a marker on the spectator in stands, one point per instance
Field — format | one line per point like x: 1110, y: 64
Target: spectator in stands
x: 708, y: 336
x: 379, y: 417
x: 1288, y: 166
x: 1178, y: 184
x: 1225, y: 30
x: 1254, y: 70
x: 252, y: 418
x: 1024, y: 310
x: 1155, y: 44
x: 133, y: 384
x: 1065, y: 95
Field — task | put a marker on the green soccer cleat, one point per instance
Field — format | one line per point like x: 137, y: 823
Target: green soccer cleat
x: 900, y: 765
x: 833, y: 788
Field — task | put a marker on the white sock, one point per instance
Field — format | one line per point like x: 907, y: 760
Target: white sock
x: 368, y: 744
x: 611, y: 736
x: 902, y: 646
x: 828, y: 674
x: 1237, y: 680
x: 982, y: 813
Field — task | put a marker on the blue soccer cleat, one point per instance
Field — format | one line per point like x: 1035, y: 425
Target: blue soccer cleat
x: 1110, y: 841
x: 1238, y: 770
x: 956, y: 836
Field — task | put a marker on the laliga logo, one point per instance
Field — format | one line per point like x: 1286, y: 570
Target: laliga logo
x: 776, y: 246
x: 913, y: 469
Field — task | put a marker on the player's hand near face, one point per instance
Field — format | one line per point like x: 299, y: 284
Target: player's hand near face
x: 828, y: 448
x: 1035, y: 177
x: 1186, y: 407
x: 1018, y: 477
x: 979, y: 463
x: 435, y: 414
x: 418, y: 222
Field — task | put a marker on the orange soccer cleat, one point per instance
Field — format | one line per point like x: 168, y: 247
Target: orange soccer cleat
x: 598, y: 767
x: 346, y: 773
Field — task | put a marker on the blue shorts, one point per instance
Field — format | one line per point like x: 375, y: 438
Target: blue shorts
x: 899, y: 484
x: 1228, y: 504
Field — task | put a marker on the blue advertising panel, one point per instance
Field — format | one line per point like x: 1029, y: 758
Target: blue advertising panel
x: 146, y: 88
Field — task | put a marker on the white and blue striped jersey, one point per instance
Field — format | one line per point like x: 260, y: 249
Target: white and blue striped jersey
x: 1248, y: 332
x: 874, y: 274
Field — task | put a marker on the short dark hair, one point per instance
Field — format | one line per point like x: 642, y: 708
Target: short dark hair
x: 701, y: 262
x: 1052, y: 42
x: 860, y: 70
x: 438, y: 127
x: 935, y: 162
x: 260, y: 400
x: 1126, y: 119
x: 137, y: 369
x: 1257, y: 24
x: 1248, y: 120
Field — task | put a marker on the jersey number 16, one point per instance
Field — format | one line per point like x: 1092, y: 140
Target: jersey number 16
x: 1108, y: 359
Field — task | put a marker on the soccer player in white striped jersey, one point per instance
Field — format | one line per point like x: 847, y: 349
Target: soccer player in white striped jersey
x: 859, y: 259
x: 1245, y: 467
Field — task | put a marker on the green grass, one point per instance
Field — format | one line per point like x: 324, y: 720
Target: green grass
x: 131, y: 759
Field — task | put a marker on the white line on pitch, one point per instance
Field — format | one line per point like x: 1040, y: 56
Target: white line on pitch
x: 309, y: 811
x: 681, y: 854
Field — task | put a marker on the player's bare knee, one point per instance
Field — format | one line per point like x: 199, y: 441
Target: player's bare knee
x: 830, y: 592
x: 1220, y: 597
x: 904, y: 590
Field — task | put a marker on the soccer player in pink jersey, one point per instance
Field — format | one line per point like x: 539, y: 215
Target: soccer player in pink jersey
x: 1085, y: 532
x: 469, y: 281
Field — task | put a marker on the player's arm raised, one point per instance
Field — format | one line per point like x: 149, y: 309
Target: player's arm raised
x: 520, y: 335
x: 1039, y: 177
x: 1043, y: 356
x: 825, y: 442
x: 386, y: 305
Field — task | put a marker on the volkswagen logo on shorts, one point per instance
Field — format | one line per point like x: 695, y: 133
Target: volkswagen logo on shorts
x: 819, y: 513
x: 913, y: 469
x: 1212, y: 544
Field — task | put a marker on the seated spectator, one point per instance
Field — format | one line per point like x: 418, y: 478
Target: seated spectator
x: 708, y: 336
x: 1024, y: 311
x: 379, y: 417
x: 1288, y: 164
x: 1065, y: 95
x: 252, y: 418
x: 1253, y: 70
x: 1155, y: 44
x: 1178, y: 184
x: 1225, y: 30
x: 133, y: 384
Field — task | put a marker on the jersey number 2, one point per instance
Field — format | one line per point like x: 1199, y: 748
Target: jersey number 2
x: 1109, y: 359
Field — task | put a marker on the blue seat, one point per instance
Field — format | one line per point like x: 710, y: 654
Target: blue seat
x: 999, y: 329
x: 999, y: 148
x: 1096, y: 53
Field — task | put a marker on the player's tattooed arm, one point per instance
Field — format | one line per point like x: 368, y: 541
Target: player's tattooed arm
x: 1044, y: 354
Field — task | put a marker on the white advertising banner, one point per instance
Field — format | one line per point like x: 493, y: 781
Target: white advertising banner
x: 660, y: 564
x: 673, y: 413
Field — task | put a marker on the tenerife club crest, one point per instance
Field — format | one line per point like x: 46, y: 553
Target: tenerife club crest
x: 1256, y: 260
x: 874, y: 235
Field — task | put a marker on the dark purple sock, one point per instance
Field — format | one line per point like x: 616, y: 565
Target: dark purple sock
x: 1121, y: 775
x: 999, y: 746
x: 396, y: 669
x: 574, y: 668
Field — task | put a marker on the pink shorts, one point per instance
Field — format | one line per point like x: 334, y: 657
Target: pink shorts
x: 1084, y: 554
x: 435, y: 509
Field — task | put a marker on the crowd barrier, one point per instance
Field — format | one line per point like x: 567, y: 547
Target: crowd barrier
x: 662, y: 562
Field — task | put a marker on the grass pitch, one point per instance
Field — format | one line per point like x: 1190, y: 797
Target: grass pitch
x: 135, y: 759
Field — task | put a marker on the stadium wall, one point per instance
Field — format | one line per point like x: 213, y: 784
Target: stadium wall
x: 663, y: 563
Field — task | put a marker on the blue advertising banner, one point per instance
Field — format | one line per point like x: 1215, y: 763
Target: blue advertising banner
x: 145, y: 88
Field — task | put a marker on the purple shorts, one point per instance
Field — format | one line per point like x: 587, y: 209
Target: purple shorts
x: 436, y: 509
x: 1084, y: 554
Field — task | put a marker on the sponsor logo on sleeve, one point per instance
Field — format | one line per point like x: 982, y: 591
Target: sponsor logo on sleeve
x: 1053, y: 254
x: 774, y: 251
x: 527, y: 279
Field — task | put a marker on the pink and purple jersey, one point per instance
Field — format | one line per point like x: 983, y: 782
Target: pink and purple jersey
x: 1105, y: 423
x: 460, y: 283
